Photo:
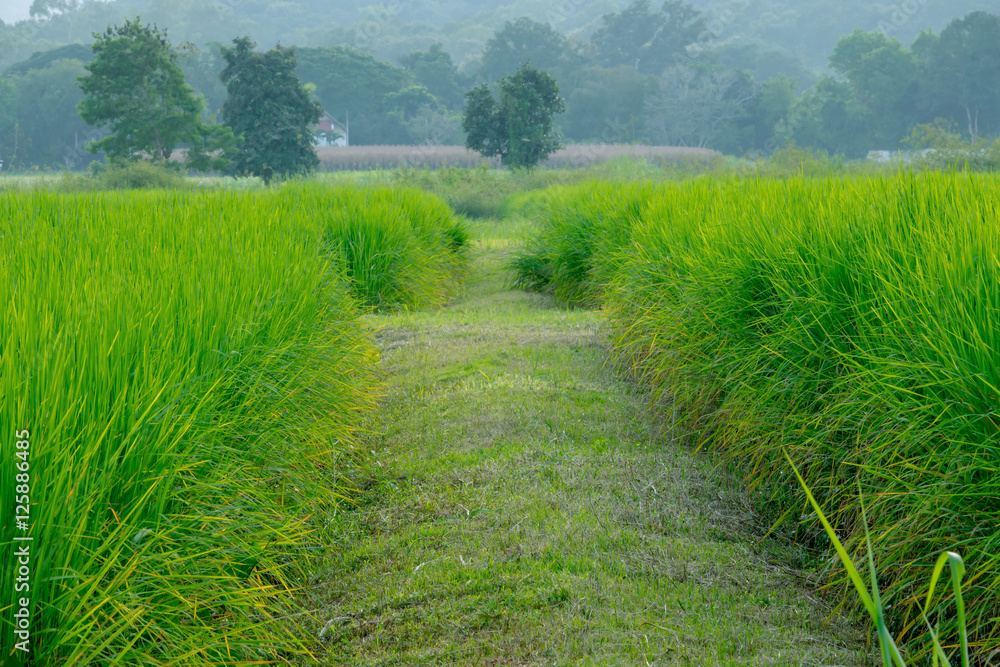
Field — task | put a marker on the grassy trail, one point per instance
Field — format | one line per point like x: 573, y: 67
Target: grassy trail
x: 532, y: 516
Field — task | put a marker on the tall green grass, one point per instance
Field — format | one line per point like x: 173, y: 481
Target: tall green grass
x: 194, y: 375
x: 852, y: 322
x: 401, y: 248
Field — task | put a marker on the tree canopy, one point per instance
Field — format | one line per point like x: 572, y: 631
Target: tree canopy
x: 269, y: 110
x: 136, y: 90
x: 960, y: 73
x: 523, y: 41
x: 435, y: 70
x: 646, y: 40
x: 517, y: 127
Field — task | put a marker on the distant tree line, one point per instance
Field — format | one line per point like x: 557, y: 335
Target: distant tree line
x: 645, y: 74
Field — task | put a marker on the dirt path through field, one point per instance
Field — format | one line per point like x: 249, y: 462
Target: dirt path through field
x: 531, y: 516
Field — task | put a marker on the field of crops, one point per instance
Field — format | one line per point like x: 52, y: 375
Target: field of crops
x: 187, y: 376
x: 338, y: 158
x: 852, y: 322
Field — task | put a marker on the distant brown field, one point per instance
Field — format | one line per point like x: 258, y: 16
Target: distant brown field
x: 333, y: 158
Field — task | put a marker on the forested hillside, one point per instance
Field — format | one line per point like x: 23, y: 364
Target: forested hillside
x: 805, y: 30
x: 740, y: 76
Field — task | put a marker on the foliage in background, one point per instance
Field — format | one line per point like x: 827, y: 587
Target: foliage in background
x: 435, y: 70
x: 269, y: 111
x: 939, y: 147
x: 39, y: 121
x: 649, y: 41
x: 851, y: 322
x: 194, y: 395
x: 683, y: 73
x: 352, y: 86
x: 136, y: 89
x: 49, y: 136
x: 525, y: 41
x: 140, y: 175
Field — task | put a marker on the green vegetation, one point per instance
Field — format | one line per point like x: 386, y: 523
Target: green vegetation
x: 192, y: 375
x: 400, y: 248
x: 269, y: 111
x: 528, y: 512
x: 741, y: 78
x: 871, y: 598
x: 525, y: 41
x: 517, y: 128
x: 649, y: 41
x: 136, y: 89
x: 941, y: 148
x: 849, y: 322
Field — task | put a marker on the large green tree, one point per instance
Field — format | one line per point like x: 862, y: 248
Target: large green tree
x: 517, y: 127
x: 883, y: 76
x: 269, y: 110
x: 435, y: 70
x: 960, y: 73
x: 354, y: 86
x: 136, y: 89
x: 646, y: 40
x: 523, y: 41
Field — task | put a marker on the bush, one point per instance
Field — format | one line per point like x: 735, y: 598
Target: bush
x: 795, y: 161
x: 939, y: 147
x: 141, y: 175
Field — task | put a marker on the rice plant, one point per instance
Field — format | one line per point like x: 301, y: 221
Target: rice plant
x: 399, y: 248
x: 190, y: 374
x: 852, y: 322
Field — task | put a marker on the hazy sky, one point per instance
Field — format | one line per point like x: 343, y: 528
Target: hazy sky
x: 14, y: 10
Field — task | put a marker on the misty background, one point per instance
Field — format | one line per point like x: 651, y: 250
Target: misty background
x: 744, y: 77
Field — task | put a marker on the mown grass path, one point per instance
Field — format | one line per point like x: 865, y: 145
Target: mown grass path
x: 530, y: 515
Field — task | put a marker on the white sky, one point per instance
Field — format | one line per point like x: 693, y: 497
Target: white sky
x: 12, y: 11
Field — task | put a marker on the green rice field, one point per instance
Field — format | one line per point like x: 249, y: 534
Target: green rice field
x: 207, y: 461
x: 853, y: 323
x: 185, y: 378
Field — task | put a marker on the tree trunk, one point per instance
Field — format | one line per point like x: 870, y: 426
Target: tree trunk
x: 973, y: 124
